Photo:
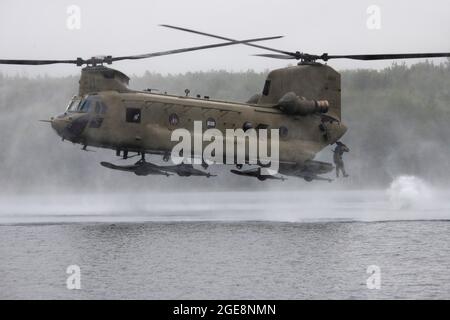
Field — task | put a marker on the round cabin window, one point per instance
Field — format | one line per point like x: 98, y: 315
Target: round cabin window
x: 283, y: 132
x: 210, y: 123
x: 247, y: 125
x: 173, y: 119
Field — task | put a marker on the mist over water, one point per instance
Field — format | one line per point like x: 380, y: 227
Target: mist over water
x: 409, y: 192
x: 407, y: 198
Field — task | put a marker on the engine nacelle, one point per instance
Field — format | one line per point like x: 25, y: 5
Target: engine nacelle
x: 290, y: 103
x: 254, y: 98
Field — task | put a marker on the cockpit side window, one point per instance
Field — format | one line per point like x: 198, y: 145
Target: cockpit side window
x: 84, y: 107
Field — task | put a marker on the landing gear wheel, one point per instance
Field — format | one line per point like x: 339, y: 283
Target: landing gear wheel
x: 239, y: 166
x: 166, y: 157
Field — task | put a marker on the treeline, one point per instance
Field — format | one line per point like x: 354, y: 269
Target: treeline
x: 398, y: 121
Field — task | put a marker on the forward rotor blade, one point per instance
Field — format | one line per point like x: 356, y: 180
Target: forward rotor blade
x: 36, y: 62
x: 109, y: 59
x: 164, y: 53
x: 326, y: 57
x: 225, y: 38
x: 275, y: 56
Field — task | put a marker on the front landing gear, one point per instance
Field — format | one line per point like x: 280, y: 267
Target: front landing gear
x: 166, y: 157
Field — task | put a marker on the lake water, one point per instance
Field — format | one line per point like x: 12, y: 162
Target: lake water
x: 228, y: 245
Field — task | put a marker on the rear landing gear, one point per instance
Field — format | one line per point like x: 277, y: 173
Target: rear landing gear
x: 142, y: 160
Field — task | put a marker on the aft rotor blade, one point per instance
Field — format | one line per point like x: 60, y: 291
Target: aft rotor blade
x: 164, y: 53
x: 366, y: 57
x: 326, y: 57
x: 225, y: 38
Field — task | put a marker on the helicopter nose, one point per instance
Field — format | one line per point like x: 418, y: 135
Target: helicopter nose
x: 69, y: 127
x: 58, y: 125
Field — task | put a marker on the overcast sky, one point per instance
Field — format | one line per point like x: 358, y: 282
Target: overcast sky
x: 38, y: 30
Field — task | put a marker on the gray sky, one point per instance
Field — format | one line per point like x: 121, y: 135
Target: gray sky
x: 37, y: 30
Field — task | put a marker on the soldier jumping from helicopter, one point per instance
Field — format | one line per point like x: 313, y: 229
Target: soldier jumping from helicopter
x: 337, y: 158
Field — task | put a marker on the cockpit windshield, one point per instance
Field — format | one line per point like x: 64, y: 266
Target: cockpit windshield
x: 79, y: 105
x: 89, y: 104
x: 74, y: 104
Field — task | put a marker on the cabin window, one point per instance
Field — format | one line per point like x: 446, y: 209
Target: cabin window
x: 133, y: 115
x: 266, y: 88
x: 247, y: 125
x: 173, y: 119
x: 283, y: 131
x: 210, y: 123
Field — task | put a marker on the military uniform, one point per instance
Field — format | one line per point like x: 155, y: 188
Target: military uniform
x: 337, y: 158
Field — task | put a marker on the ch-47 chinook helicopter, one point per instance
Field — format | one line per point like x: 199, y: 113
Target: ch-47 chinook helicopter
x: 302, y: 102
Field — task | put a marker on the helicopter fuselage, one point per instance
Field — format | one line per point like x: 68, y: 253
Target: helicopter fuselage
x: 107, y: 114
x: 144, y: 122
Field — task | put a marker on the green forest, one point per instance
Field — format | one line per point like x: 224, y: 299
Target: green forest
x: 398, y: 121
